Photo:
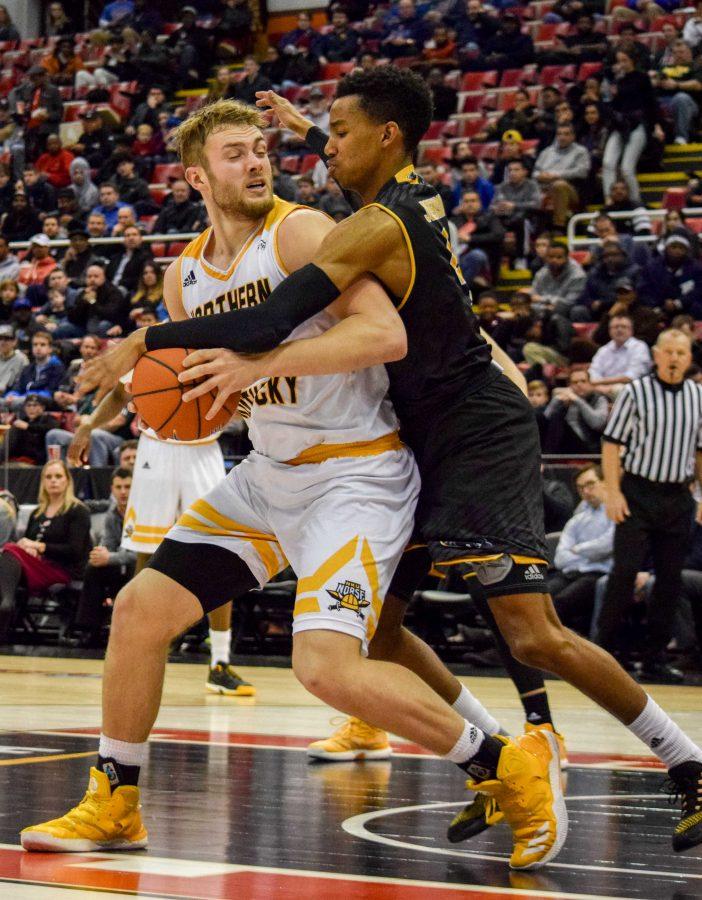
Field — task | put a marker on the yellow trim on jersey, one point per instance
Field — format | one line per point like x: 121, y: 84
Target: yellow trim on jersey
x: 193, y: 248
x: 408, y: 242
x: 225, y: 276
x: 407, y: 175
x: 371, y: 569
x: 520, y: 560
x: 316, y: 582
x: 204, y: 509
x: 321, y: 452
x: 151, y: 529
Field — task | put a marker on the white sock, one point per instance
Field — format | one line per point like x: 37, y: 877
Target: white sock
x: 471, y: 708
x: 220, y: 644
x: 667, y: 740
x: 123, y: 752
x: 467, y: 745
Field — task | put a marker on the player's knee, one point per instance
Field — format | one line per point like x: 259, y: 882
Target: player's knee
x: 545, y: 650
x: 312, y: 671
x: 137, y: 614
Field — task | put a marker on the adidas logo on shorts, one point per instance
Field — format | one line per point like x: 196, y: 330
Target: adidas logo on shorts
x: 533, y: 573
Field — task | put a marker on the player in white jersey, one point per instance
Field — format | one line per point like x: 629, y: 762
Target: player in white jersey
x: 328, y: 487
x: 168, y: 477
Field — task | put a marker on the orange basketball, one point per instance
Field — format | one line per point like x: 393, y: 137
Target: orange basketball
x: 158, y: 398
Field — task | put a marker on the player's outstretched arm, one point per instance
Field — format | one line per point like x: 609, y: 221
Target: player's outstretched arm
x: 369, y: 333
x: 506, y: 364
x: 369, y: 242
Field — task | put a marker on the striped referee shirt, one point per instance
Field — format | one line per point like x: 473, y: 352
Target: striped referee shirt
x: 661, y: 427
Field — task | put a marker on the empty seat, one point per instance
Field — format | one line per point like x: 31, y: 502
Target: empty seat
x: 165, y: 172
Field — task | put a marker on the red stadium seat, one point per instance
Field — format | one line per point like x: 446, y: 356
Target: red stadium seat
x: 165, y: 172
x: 328, y: 88
x: 436, y: 154
x: 158, y: 194
x: 290, y: 164
x: 148, y: 223
x: 485, y: 151
x: 473, y: 81
x: 308, y: 163
x: 675, y: 198
x: 588, y: 69
x: 694, y: 224
x: 553, y: 74
x: 475, y: 103
x: 469, y: 126
x: 584, y: 329
x: 336, y: 70
x: 579, y: 256
x: 158, y: 248
x: 175, y: 248
x: 439, y: 129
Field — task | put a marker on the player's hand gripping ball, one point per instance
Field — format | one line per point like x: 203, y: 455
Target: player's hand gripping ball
x: 158, y: 397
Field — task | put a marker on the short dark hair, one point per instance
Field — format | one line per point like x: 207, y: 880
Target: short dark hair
x: 469, y: 160
x: 388, y: 94
x: 131, y: 444
x: 557, y: 245
x: 590, y: 467
x: 121, y: 472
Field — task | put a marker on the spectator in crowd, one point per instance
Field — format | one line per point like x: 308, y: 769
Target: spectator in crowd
x: 144, y: 16
x: 179, y: 214
x: 473, y: 23
x: 592, y: 134
x: 628, y: 42
x: 126, y: 266
x: 545, y: 123
x: 39, y: 189
x: 51, y: 227
x: 559, y: 170
x: 618, y: 200
x: 109, y: 204
x: 109, y: 566
x: 24, y: 323
x: 445, y: 98
x: 57, y: 22
x: 56, y: 280
x: 583, y: 44
x: 27, y: 435
x: 520, y: 119
x: 9, y: 263
x: 147, y: 112
x: 584, y: 553
x: 558, y: 502
x: 664, y: 54
x: 508, y: 48
x: 63, y: 63
x: 96, y: 226
x: 333, y: 202
x: 318, y: 109
x: 692, y: 30
x: 510, y: 149
x: 633, y: 117
x: 303, y: 67
x: 283, y: 184
x: 100, y: 307
x: 647, y: 322
x: 67, y: 209
x: 576, y: 416
x: 21, y: 221
x: 127, y: 454
x: 149, y: 291
x: 38, y: 106
x: 604, y: 227
x: 94, y: 142
x: 623, y: 359
x: 37, y: 263
x: 404, y: 33
x: 191, y: 48
x: 440, y: 49
x: 116, y: 13
x: 480, y: 236
x: 274, y: 66
x: 537, y: 257
x: 78, y: 257
x: 470, y: 179
x: 220, y: 84
x: 675, y: 222
x: 12, y: 360
x: 8, y: 30
x: 131, y: 188
x: 105, y: 442
x: 68, y: 395
x: 55, y: 547
x: 81, y: 184
x: 487, y: 311
x: 600, y: 292
x: 53, y: 316
x: 517, y: 198
x: 303, y: 33
x: 686, y: 324
x: 252, y: 82
x: 678, y: 89
x: 234, y: 31
x: 306, y: 193
x: 537, y: 392
x: 42, y: 376
x: 342, y: 42
x: 673, y: 282
x: 126, y: 216
x: 559, y: 283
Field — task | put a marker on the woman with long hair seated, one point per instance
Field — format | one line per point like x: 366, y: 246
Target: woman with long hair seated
x: 56, y: 544
x: 149, y: 292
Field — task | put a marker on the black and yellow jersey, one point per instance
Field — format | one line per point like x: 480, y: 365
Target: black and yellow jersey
x: 447, y: 358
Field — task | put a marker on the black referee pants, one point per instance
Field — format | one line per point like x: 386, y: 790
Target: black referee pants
x: 658, y: 527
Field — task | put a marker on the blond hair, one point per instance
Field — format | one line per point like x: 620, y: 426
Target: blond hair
x: 191, y: 135
x: 69, y: 498
x: 675, y: 333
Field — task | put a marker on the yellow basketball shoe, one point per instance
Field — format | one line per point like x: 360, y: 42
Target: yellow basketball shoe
x: 354, y: 739
x: 103, y: 820
x: 529, y: 794
x: 547, y: 726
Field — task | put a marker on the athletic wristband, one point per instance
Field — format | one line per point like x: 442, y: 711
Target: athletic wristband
x: 255, y: 329
x: 316, y: 140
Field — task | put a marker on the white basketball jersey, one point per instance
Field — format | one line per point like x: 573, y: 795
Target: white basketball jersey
x: 286, y: 417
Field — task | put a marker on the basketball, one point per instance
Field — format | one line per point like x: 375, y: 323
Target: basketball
x: 158, y: 397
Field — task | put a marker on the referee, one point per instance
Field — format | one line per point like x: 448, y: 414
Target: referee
x: 657, y: 419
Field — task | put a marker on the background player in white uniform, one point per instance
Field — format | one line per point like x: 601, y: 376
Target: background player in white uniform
x: 168, y: 477
x: 328, y: 487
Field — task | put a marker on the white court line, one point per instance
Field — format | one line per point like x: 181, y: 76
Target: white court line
x: 356, y: 826
x: 137, y: 862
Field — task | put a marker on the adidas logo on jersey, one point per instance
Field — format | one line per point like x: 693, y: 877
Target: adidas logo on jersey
x: 146, y: 465
x: 533, y: 573
x: 261, y: 244
x: 190, y: 279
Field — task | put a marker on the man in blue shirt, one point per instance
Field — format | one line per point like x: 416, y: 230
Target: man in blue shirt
x: 584, y: 552
x: 109, y: 205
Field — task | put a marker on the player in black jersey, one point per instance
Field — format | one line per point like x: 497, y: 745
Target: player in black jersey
x: 471, y: 430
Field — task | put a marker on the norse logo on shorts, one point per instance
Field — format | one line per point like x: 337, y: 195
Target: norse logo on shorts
x: 493, y: 570
x: 349, y: 595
